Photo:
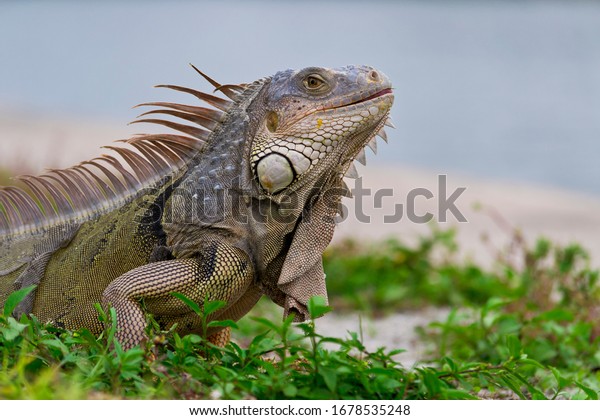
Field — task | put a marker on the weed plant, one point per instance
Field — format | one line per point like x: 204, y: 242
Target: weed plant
x: 525, y: 328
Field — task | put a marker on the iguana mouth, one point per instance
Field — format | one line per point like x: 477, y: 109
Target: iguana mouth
x: 345, y: 102
x: 386, y: 91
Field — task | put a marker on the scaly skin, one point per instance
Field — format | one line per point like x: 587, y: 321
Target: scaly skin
x: 250, y: 214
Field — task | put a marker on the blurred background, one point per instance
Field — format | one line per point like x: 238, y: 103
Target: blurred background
x: 502, y: 96
x: 498, y: 89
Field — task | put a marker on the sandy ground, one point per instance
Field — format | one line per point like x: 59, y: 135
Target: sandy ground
x: 397, y: 331
x: 30, y: 143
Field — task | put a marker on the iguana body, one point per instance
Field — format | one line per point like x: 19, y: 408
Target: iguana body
x: 241, y: 204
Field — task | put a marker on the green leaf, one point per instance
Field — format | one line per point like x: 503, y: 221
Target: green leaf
x: 213, y: 306
x: 450, y: 363
x: 396, y: 352
x: 591, y: 394
x: 531, y: 362
x: 456, y: 394
x: 224, y: 323
x: 508, y: 324
x: 561, y: 381
x: 495, y: 303
x: 555, y: 315
x: 541, y: 349
x: 189, y: 302
x: 13, y: 329
x: 307, y: 328
x: 514, y: 346
x: 330, y: 377
x: 113, y: 326
x: 388, y: 384
x: 433, y: 384
x: 56, y: 344
x: 290, y: 391
x: 101, y: 313
x: 262, y: 344
x: 15, y: 298
x: 267, y: 323
x: 317, y: 307
x: 510, y: 382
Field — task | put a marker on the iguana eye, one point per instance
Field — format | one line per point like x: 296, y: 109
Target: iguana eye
x: 314, y: 82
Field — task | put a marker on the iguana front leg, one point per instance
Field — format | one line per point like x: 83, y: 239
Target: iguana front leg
x: 220, y: 272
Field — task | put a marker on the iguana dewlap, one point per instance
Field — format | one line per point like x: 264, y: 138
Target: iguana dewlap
x: 239, y: 203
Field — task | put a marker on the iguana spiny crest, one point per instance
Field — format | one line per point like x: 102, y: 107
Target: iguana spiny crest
x: 239, y: 204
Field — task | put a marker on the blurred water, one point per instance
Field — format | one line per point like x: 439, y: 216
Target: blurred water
x: 498, y: 89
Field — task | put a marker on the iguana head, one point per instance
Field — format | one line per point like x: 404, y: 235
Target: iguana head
x: 310, y: 125
x: 314, y: 122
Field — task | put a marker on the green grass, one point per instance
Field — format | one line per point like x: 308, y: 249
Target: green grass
x: 525, y: 328
x: 537, y: 304
x: 391, y: 276
x: 284, y: 362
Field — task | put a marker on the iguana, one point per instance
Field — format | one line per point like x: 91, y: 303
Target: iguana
x: 239, y: 203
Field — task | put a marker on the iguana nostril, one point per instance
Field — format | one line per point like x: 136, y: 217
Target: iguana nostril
x: 373, y: 75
